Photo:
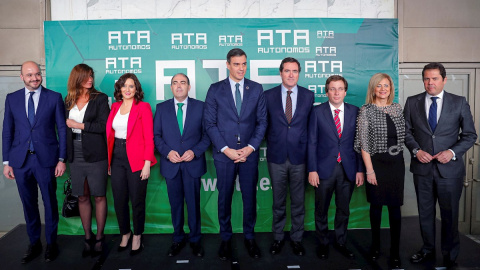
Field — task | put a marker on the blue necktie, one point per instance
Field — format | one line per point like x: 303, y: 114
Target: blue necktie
x: 31, y: 115
x: 432, y: 114
x: 238, y: 98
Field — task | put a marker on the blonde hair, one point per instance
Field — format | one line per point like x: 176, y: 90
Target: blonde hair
x: 374, y: 81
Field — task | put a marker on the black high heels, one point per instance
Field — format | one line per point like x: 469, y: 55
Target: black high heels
x: 129, y: 242
x: 140, y: 248
x: 98, y: 249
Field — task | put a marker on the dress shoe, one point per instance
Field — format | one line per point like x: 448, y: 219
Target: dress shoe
x: 129, y: 242
x: 51, y: 252
x: 344, y: 251
x: 374, y: 254
x: 87, y: 247
x: 276, y: 246
x: 33, y: 251
x: 252, y: 248
x: 98, y: 247
x: 225, y: 251
x: 297, y: 248
x: 322, y: 252
x: 421, y: 256
x: 139, y: 249
x: 197, y: 249
x: 395, y: 262
x: 175, y: 248
x: 448, y: 263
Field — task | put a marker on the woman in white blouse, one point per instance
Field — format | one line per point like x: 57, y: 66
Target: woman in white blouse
x: 86, y: 113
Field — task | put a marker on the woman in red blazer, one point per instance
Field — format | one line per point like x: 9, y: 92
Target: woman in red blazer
x: 130, y: 156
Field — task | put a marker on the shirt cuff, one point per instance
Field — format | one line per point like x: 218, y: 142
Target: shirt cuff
x: 252, y: 147
x: 5, y: 162
x: 223, y: 149
x: 454, y: 156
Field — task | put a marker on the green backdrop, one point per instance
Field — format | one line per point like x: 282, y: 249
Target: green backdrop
x: 156, y: 49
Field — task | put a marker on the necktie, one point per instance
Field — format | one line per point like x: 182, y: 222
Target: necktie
x: 338, y: 125
x: 238, y: 98
x: 180, y: 117
x: 31, y: 115
x: 288, y: 107
x: 432, y: 114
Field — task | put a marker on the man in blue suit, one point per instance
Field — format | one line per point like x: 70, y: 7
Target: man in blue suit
x: 33, y: 156
x: 235, y: 119
x: 182, y: 142
x: 333, y: 164
x: 288, y: 109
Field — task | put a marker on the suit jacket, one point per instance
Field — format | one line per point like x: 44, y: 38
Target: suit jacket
x: 284, y: 139
x: 94, y: 143
x: 140, y: 145
x: 168, y: 137
x: 17, y: 131
x: 455, y: 130
x: 224, y: 125
x: 324, y: 143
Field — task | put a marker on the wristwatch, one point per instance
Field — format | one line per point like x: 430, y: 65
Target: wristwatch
x: 415, y: 151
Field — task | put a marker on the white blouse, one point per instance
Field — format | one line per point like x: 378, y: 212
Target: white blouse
x: 77, y: 115
x: 119, y: 124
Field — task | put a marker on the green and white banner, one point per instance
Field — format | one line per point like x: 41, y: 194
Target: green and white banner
x: 156, y: 49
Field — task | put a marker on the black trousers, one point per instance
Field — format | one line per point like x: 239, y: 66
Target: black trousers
x: 395, y: 219
x: 127, y: 185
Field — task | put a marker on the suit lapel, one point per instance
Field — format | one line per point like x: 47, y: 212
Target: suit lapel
x: 40, y: 106
x: 348, y: 117
x: 246, y: 96
x: 229, y: 96
x: 421, y: 111
x: 329, y: 118
x: 188, y: 116
x: 132, y: 118
x: 447, y: 106
x: 279, y: 105
x: 299, y: 101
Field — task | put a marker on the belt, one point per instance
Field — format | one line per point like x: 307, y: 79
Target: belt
x: 120, y: 141
x: 77, y: 136
x: 30, y: 152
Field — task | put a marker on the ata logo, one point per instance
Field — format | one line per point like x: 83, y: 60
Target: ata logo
x: 189, y: 41
x: 325, y: 34
x: 230, y: 40
x: 289, y: 42
x: 121, y: 65
x: 128, y: 40
x: 326, y: 51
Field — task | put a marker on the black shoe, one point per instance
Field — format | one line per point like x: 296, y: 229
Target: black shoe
x: 140, y: 248
x: 197, y: 249
x: 87, y: 247
x: 277, y: 246
x: 129, y: 242
x: 344, y: 251
x: 448, y: 263
x: 225, y: 251
x: 51, y: 252
x: 252, y: 248
x: 98, y: 247
x: 175, y: 248
x: 421, y: 256
x: 374, y: 254
x: 297, y: 248
x: 395, y: 262
x: 33, y: 251
x: 322, y: 252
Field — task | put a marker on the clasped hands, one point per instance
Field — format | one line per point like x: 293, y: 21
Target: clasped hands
x: 443, y: 157
x: 174, y: 157
x: 239, y: 155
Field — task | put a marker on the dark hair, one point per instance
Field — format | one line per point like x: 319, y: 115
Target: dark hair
x: 79, y: 74
x: 335, y: 78
x: 290, y: 60
x: 188, y: 80
x: 121, y: 82
x: 435, y: 65
x: 235, y: 52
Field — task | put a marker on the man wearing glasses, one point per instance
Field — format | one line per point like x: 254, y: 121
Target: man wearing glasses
x: 333, y: 164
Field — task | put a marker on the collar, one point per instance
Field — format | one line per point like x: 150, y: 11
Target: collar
x: 341, y: 108
x: 185, y: 102
x: 38, y: 90
x: 440, y: 96
x: 232, y: 82
x: 284, y: 89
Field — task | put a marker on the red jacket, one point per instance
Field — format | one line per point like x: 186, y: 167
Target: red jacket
x: 140, y: 146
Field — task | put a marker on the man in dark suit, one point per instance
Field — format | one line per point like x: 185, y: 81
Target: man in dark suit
x: 439, y: 130
x: 288, y: 109
x: 33, y: 156
x: 333, y: 164
x: 180, y: 138
x: 235, y: 119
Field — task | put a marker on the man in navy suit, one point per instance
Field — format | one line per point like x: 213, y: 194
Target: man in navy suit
x: 439, y: 129
x: 182, y: 142
x: 235, y: 119
x: 288, y: 109
x: 333, y: 164
x: 33, y: 156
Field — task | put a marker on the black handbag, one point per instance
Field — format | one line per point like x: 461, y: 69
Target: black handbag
x: 70, y: 203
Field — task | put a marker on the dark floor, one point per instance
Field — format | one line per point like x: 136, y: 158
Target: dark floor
x: 14, y: 243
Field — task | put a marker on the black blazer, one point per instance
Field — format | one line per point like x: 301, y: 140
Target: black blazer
x: 94, y: 142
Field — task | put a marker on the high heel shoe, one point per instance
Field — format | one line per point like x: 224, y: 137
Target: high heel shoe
x: 140, y: 248
x: 97, y: 251
x: 120, y: 248
x: 87, y: 247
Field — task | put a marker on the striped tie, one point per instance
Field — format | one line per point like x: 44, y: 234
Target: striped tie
x: 338, y: 125
x: 288, y: 107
